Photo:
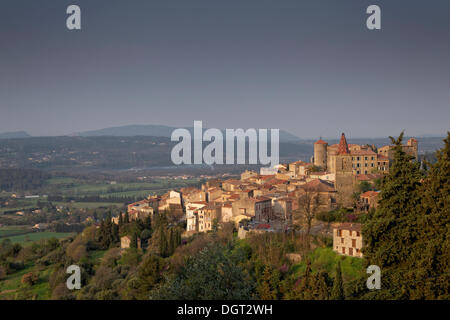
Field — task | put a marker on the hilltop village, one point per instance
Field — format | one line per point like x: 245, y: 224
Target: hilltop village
x: 272, y: 200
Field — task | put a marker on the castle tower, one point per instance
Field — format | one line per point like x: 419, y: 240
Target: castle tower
x: 345, y: 180
x: 320, y: 154
x: 414, y: 147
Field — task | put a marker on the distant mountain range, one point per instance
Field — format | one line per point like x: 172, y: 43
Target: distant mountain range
x: 157, y: 131
x: 13, y: 135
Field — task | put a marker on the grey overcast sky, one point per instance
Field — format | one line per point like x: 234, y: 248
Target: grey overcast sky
x: 309, y: 67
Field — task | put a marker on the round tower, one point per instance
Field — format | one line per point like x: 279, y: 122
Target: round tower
x: 320, y: 154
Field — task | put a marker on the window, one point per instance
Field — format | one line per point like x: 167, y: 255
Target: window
x: 350, y: 251
x: 373, y: 158
x: 371, y: 165
x: 357, y: 233
x: 365, y: 165
x: 353, y: 243
x: 343, y: 250
x: 357, y: 158
x: 342, y: 240
x: 339, y: 233
x: 365, y: 158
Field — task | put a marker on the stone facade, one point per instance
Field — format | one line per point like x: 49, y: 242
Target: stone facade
x: 347, y: 239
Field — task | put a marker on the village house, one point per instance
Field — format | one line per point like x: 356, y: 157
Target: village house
x: 207, y: 216
x: 227, y: 212
x: 248, y: 174
x: 125, y: 242
x: 191, y: 194
x: 140, y: 210
x: 317, y: 193
x: 368, y: 200
x: 191, y: 215
x: 347, y: 239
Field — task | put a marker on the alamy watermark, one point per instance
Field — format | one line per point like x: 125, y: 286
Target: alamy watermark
x: 213, y: 153
x: 74, y: 281
x: 374, y: 281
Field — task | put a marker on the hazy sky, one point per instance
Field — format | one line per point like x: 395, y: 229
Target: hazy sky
x: 310, y: 67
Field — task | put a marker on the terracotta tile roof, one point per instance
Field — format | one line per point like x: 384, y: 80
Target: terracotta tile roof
x: 367, y: 177
x: 318, y: 173
x: 369, y: 194
x: 349, y: 226
x: 343, y: 146
x: 318, y: 186
x: 320, y: 141
x: 261, y: 199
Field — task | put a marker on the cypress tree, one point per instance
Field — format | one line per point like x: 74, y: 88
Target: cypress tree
x: 134, y: 241
x: 148, y: 223
x: 115, y: 233
x: 127, y: 217
x: 264, y: 289
x: 321, y: 286
x: 163, y: 245
x: 430, y: 271
x: 391, y: 231
x: 337, y: 293
x: 171, y: 242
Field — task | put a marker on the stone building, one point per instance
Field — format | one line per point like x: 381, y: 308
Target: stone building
x: 347, y: 239
x: 207, y: 216
x: 125, y: 242
x: 345, y: 180
x: 411, y: 148
x: 368, y: 200
x: 259, y: 208
x: 320, y: 154
x: 364, y: 161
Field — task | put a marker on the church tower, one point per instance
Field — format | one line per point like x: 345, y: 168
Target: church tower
x: 320, y: 154
x: 345, y: 180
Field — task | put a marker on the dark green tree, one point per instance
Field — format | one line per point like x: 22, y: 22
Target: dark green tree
x: 337, y: 292
x: 429, y: 274
x: 210, y: 275
x: 115, y: 233
x: 265, y: 288
x: 390, y: 233
x: 163, y: 243
x: 321, y: 286
x: 134, y: 241
x: 120, y: 220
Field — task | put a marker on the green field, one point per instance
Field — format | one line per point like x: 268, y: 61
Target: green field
x: 25, y: 239
x: 13, y: 230
x: 326, y: 259
x: 12, y: 283
x: 61, y: 180
x: 70, y: 186
x: 88, y: 205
